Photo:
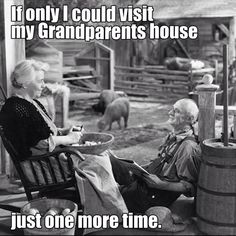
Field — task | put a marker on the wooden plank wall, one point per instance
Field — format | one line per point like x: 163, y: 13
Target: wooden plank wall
x: 11, y: 52
x: 2, y: 81
x: 156, y: 81
x: 203, y: 46
x: 123, y: 51
x: 69, y: 49
x: 199, y: 48
x: 93, y: 56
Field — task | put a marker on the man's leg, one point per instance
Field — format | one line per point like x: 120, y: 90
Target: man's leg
x: 138, y: 197
x: 135, y: 196
x: 122, y: 170
x: 162, y: 197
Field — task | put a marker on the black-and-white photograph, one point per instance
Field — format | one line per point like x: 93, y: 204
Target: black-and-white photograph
x: 117, y: 117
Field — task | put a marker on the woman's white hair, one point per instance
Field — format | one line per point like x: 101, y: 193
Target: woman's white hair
x: 25, y: 70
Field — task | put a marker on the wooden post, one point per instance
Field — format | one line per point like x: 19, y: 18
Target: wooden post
x: 234, y: 128
x: 206, y: 103
x: 98, y: 63
x: 111, y: 76
x: 15, y: 48
x: 112, y: 69
x: 232, y: 36
x: 2, y: 80
x: 216, y: 71
x: 225, y: 94
x: 12, y: 51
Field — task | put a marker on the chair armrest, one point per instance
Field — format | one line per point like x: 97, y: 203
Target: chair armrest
x: 47, y: 169
x: 10, y: 208
x: 57, y: 151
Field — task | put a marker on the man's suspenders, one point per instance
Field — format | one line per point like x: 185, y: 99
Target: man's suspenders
x: 156, y: 166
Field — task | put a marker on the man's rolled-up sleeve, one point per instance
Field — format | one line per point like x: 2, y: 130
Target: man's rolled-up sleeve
x: 188, y: 165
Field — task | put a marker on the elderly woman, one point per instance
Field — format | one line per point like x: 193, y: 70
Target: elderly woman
x: 26, y: 122
x: 31, y: 131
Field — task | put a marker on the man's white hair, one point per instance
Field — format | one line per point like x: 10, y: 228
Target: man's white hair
x: 190, y: 108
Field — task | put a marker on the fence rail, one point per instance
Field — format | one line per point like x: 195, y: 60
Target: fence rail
x: 157, y: 81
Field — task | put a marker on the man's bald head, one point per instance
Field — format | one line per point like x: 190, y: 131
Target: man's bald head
x: 188, y: 107
x: 183, y: 114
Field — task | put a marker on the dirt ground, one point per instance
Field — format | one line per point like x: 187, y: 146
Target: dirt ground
x: 147, y: 127
x: 147, y: 122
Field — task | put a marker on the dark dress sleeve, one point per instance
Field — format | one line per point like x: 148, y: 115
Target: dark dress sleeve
x: 23, y: 125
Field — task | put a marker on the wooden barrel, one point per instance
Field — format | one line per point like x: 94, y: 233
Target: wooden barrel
x: 216, y: 193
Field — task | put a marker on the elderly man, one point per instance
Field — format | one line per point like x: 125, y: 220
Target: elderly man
x: 172, y: 173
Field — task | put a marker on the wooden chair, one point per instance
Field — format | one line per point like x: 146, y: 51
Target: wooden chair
x: 43, y: 170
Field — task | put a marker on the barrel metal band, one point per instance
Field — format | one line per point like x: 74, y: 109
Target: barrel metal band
x: 216, y: 193
x: 216, y: 223
x: 208, y: 163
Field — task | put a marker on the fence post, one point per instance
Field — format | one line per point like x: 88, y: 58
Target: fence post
x: 206, y: 103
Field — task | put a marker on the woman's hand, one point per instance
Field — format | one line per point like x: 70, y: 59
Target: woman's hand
x: 71, y: 138
x: 65, y: 131
x: 74, y: 136
x: 77, y: 128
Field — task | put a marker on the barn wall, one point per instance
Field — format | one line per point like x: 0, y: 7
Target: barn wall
x: 12, y: 51
x: 124, y: 51
x: 205, y: 44
x: 201, y: 48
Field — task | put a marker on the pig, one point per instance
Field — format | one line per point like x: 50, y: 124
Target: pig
x: 114, y: 112
x: 105, y: 98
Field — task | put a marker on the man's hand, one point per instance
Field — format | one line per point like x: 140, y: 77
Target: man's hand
x: 152, y: 180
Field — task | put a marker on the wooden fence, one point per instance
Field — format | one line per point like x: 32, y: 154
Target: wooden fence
x: 157, y: 81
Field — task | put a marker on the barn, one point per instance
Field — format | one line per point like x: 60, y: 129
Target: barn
x: 215, y: 21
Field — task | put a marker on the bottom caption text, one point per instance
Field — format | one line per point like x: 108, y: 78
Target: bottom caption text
x: 129, y: 220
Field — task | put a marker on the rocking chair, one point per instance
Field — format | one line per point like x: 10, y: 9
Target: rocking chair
x: 45, y: 173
